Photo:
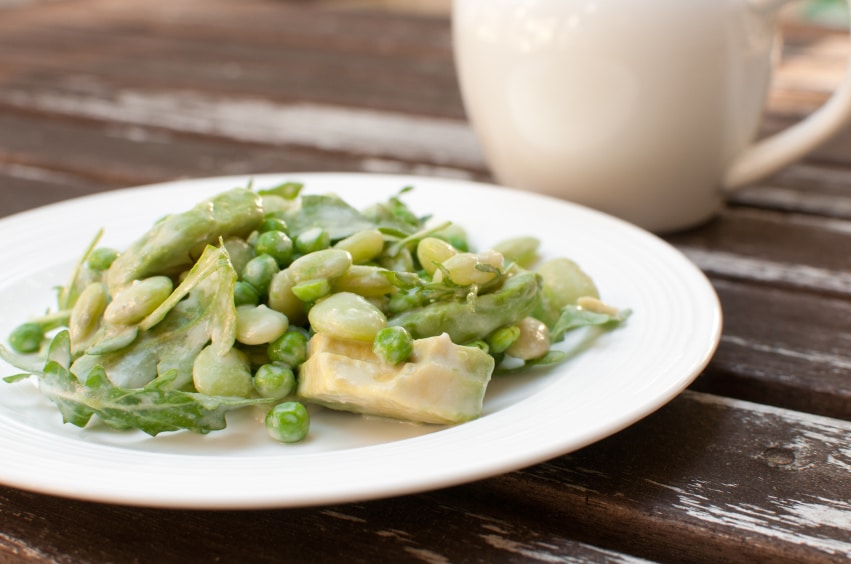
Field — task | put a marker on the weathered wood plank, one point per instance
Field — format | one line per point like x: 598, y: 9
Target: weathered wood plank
x: 429, y: 528
x: 788, y: 249
x: 703, y: 480
x: 120, y: 155
x: 783, y: 348
x: 382, y: 67
x: 804, y: 188
x: 23, y: 187
x: 377, y: 133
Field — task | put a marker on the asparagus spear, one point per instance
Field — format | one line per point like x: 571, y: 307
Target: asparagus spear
x: 464, y: 323
x: 169, y: 247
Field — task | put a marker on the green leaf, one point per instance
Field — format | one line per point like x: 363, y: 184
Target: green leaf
x: 153, y: 409
x: 80, y: 277
x: 573, y: 317
x: 287, y: 190
x: 328, y: 212
x: 16, y: 378
x: 60, y: 387
x: 200, y: 310
x: 395, y: 216
x: 156, y: 408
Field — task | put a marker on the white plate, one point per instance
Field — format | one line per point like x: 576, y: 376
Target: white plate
x: 625, y: 375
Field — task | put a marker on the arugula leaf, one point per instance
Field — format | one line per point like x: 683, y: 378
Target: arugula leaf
x: 395, y: 216
x: 154, y: 409
x: 573, y: 317
x: 81, y: 276
x: 287, y: 190
x: 329, y: 212
x: 200, y: 310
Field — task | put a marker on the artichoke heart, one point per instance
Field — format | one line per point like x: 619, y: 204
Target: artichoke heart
x: 440, y: 383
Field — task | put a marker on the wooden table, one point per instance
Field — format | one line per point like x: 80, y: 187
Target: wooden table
x: 752, y: 463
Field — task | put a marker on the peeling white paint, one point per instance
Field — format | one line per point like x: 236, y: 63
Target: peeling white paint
x: 806, y: 520
x: 831, y: 429
x: 431, y: 139
x: 799, y: 201
x: 428, y: 556
x: 343, y: 516
x: 838, y: 462
x: 783, y: 525
x: 817, y: 357
x: 827, y: 513
x: 27, y: 172
x: 495, y: 528
x: 537, y: 552
x: 15, y: 547
x: 394, y: 534
x: 525, y: 550
x: 748, y: 268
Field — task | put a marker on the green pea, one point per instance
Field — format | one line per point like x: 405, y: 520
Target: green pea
x: 312, y: 290
x: 289, y: 349
x: 273, y: 224
x: 102, y: 258
x: 288, y: 422
x: 27, y: 338
x: 394, y: 344
x: 245, y: 294
x: 479, y: 344
x: 259, y: 272
x: 275, y: 244
x: 274, y: 381
x: 501, y: 339
x: 312, y: 240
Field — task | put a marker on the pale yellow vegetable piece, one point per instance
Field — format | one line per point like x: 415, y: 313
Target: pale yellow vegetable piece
x: 441, y: 382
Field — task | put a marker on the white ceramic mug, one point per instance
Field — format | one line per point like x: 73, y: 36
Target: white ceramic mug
x: 645, y: 109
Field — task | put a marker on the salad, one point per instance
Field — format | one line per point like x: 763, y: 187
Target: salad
x: 275, y: 299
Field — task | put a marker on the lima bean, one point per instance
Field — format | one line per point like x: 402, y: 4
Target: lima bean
x: 258, y: 325
x: 347, y: 316
x: 132, y: 304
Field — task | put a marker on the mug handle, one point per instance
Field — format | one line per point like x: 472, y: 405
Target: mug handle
x: 773, y: 153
